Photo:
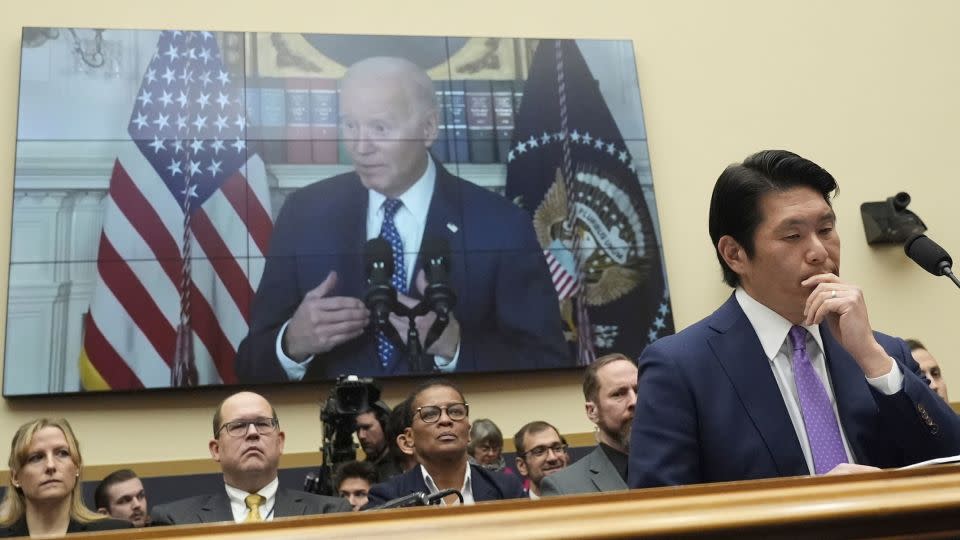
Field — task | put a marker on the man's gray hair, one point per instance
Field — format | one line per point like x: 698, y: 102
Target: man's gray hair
x: 388, y: 69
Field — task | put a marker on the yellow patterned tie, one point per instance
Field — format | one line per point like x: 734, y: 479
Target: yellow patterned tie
x: 254, y: 500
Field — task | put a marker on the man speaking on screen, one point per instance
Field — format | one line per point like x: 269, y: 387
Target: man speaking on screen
x: 309, y: 320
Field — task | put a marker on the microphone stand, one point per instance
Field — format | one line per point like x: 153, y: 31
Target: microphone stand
x: 420, y: 362
x: 947, y: 271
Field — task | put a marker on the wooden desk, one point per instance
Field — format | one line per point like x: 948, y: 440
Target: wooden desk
x: 920, y: 503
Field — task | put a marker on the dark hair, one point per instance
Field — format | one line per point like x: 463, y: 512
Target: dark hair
x: 591, y: 386
x: 397, y: 422
x: 915, y: 344
x: 217, y: 415
x: 532, y: 428
x: 355, y: 469
x: 381, y: 411
x: 430, y: 383
x: 735, y: 204
x: 100, y: 497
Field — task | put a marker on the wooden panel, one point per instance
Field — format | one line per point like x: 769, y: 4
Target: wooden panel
x: 890, y: 504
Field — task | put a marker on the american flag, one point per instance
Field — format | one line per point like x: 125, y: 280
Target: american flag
x: 186, y: 225
x: 563, y: 276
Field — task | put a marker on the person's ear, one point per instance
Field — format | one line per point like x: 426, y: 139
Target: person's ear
x: 215, y: 450
x: 431, y: 126
x: 592, y: 413
x: 732, y: 253
x: 405, y: 442
x: 521, y: 466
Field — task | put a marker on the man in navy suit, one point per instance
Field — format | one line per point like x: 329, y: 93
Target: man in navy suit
x: 440, y: 432
x: 787, y: 377
x: 308, y: 321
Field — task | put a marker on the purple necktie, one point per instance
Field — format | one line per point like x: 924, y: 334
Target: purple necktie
x: 823, y: 432
x: 388, y: 231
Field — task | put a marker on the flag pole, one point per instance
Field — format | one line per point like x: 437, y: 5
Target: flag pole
x: 184, y: 371
x: 585, y: 351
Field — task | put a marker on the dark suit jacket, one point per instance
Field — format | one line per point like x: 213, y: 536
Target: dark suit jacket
x: 506, y: 304
x: 709, y: 409
x: 19, y: 528
x: 486, y: 486
x: 590, y: 474
x: 216, y: 508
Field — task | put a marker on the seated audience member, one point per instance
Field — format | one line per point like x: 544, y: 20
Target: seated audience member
x: 371, y: 432
x: 541, y: 451
x: 486, y: 446
x: 787, y: 377
x: 401, y: 446
x: 610, y: 390
x: 929, y: 367
x: 247, y: 443
x: 121, y: 495
x: 440, y: 432
x: 353, y: 480
x: 43, y: 496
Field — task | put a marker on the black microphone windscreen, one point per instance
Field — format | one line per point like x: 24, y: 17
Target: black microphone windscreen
x: 927, y: 253
x: 377, y: 251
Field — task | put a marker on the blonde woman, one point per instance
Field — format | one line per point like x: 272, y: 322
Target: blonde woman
x: 43, y: 497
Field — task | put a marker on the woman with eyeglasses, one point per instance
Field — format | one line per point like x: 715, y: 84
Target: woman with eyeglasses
x: 486, y: 446
x: 43, y: 497
x: 440, y: 432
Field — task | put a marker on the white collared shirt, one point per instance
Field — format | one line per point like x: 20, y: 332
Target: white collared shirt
x: 773, y: 331
x: 238, y: 504
x: 410, y: 220
x: 466, y: 490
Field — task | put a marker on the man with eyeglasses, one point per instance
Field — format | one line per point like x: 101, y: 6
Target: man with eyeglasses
x: 541, y: 452
x: 440, y: 431
x: 247, y: 443
x: 610, y: 390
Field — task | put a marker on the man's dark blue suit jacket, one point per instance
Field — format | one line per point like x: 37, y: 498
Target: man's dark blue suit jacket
x: 709, y: 409
x: 486, y: 486
x: 507, y: 307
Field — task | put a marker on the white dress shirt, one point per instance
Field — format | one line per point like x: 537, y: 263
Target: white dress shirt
x: 773, y: 332
x: 238, y: 504
x: 466, y: 490
x: 410, y: 220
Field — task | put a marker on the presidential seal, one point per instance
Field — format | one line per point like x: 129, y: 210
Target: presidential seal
x: 613, y: 247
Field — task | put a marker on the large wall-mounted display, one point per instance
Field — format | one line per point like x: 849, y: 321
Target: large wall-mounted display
x: 208, y: 208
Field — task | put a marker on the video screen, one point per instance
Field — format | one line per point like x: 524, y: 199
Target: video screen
x: 215, y: 208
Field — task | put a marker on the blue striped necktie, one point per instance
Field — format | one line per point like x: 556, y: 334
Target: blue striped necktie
x: 388, y: 231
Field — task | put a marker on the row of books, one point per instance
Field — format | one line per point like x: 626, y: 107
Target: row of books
x: 295, y: 120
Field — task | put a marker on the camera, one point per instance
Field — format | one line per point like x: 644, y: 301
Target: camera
x: 350, y: 397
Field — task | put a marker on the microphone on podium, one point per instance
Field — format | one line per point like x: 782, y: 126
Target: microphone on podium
x: 930, y: 256
x: 418, y: 498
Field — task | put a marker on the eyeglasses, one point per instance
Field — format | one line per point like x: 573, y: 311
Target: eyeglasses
x: 455, y: 411
x: 239, y: 428
x: 540, y: 451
